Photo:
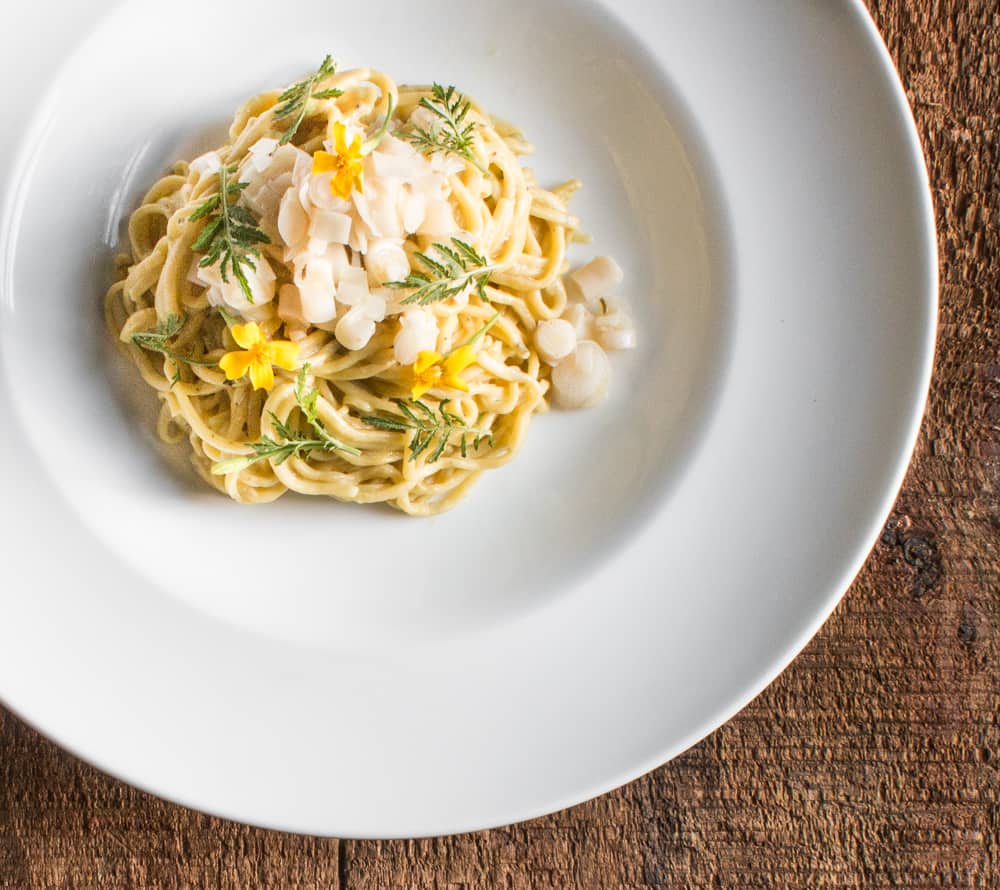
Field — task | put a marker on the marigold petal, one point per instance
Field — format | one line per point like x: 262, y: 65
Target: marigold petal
x: 455, y: 382
x: 284, y: 354
x: 459, y: 360
x: 419, y: 389
x: 426, y: 359
x: 261, y: 375
x: 235, y: 364
x: 247, y: 335
x: 342, y: 184
x: 340, y: 137
x: 324, y: 162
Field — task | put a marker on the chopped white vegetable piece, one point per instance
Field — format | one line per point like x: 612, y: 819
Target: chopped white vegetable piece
x: 359, y: 237
x: 399, y: 165
x: 355, y: 329
x: 263, y: 195
x: 206, y: 164
x: 414, y: 211
x: 390, y: 145
x: 582, y: 320
x: 374, y: 305
x: 598, y: 277
x: 352, y: 286
x: 365, y: 212
x: 260, y: 153
x: 302, y: 168
x: 317, y: 291
x: 386, y: 261
x: 330, y: 225
x: 290, y: 305
x: 617, y: 339
x: 555, y: 340
x: 293, y: 221
x: 418, y: 332
x: 385, y: 211
x: 581, y: 379
x: 614, y: 328
x: 439, y: 220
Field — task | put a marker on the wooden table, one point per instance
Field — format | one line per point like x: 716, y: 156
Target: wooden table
x: 872, y: 762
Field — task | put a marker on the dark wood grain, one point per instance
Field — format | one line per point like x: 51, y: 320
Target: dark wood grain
x: 873, y: 762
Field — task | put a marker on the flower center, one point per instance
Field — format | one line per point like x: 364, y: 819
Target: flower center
x: 260, y: 352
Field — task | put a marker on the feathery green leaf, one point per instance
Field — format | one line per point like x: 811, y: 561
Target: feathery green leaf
x: 428, y: 429
x: 157, y: 339
x: 230, y: 235
x: 295, y: 100
x: 293, y: 442
x: 456, y: 267
x: 454, y: 134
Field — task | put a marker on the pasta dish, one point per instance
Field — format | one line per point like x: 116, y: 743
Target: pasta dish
x: 363, y: 294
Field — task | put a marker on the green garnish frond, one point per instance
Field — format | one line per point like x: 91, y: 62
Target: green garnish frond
x: 295, y: 100
x: 454, y: 268
x: 231, y: 234
x: 455, y: 133
x: 429, y: 428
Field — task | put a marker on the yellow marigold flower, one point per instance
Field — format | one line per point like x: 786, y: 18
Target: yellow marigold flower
x: 346, y: 164
x: 433, y: 369
x: 259, y: 355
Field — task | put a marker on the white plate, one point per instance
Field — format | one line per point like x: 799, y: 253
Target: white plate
x: 623, y: 587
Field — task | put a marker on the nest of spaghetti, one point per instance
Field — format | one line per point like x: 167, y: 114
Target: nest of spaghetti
x: 363, y: 294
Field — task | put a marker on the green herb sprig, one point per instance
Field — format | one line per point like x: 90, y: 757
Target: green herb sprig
x: 455, y: 268
x: 157, y: 340
x: 231, y: 233
x: 307, y: 397
x: 429, y: 428
x: 292, y: 442
x: 295, y: 100
x: 455, y: 134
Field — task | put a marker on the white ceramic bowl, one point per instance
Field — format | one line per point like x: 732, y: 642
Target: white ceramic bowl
x: 624, y: 586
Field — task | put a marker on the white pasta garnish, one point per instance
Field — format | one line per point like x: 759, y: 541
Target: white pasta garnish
x: 317, y: 292
x: 330, y: 226
x: 355, y: 329
x: 293, y: 221
x: 598, y: 278
x: 418, y: 332
x: 614, y: 327
x: 386, y: 261
x: 555, y: 339
x: 581, y: 380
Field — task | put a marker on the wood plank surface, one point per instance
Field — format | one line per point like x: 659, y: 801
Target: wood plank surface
x: 873, y: 762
